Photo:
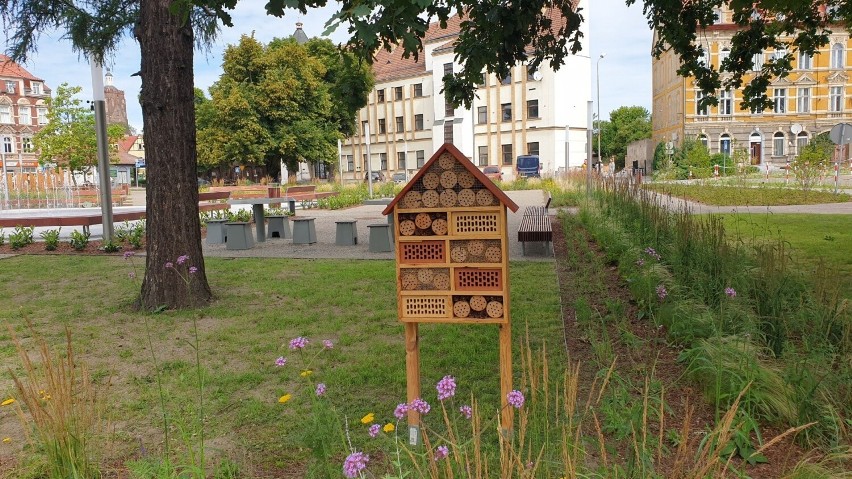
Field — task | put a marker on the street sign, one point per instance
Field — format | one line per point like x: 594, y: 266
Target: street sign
x: 841, y: 134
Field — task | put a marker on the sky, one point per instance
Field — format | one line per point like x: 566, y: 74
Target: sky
x: 618, y: 31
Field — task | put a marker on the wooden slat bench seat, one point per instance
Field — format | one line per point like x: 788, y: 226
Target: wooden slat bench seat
x: 307, y: 194
x: 536, y: 226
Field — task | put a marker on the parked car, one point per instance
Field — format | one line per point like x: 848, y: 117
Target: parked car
x: 399, y: 177
x: 493, y: 172
x: 378, y: 177
x: 203, y: 183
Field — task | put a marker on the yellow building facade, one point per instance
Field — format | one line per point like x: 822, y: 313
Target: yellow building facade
x: 813, y: 98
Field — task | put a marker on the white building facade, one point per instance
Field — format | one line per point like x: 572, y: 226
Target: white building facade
x: 407, y: 118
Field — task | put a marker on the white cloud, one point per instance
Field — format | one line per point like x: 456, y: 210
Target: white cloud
x: 619, y: 31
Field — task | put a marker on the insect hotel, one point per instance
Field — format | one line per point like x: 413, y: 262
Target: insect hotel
x: 452, y: 260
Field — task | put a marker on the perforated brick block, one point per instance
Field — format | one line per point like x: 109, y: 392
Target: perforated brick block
x: 477, y: 279
x: 426, y: 306
x: 476, y: 223
x: 422, y: 252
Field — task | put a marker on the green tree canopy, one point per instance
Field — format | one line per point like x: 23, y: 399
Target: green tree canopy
x: 281, y: 102
x: 626, y: 125
x: 68, y: 139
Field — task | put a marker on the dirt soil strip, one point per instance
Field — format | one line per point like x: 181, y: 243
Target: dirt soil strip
x: 584, y: 275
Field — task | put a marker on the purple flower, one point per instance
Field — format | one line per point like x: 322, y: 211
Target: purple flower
x: 640, y: 262
x: 466, y: 411
x: 661, y: 292
x: 131, y: 275
x: 320, y: 389
x: 327, y: 344
x: 731, y: 292
x: 354, y: 464
x: 515, y: 399
x: 193, y: 270
x: 281, y: 361
x: 446, y: 388
x: 182, y: 259
x: 530, y: 465
x: 299, y: 343
x: 128, y: 254
x: 401, y: 410
x: 374, y: 430
x: 441, y: 452
x: 652, y: 253
x: 420, y: 406
x: 170, y: 265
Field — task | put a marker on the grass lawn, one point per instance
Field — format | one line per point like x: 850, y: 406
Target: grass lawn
x: 747, y: 196
x: 812, y: 237
x: 262, y: 304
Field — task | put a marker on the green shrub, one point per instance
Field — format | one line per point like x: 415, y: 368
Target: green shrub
x: 22, y: 236
x: 110, y: 246
x: 79, y: 240
x: 2, y: 237
x: 137, y: 235
x: 51, y: 239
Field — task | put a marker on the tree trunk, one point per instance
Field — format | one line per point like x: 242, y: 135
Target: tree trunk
x: 168, y: 112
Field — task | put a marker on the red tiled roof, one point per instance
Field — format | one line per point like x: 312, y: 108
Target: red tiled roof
x: 126, y: 143
x: 125, y: 158
x: 8, y: 68
x: 391, y: 65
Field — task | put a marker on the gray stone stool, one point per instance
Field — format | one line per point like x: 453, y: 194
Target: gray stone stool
x: 216, y: 231
x: 279, y: 227
x: 380, y: 241
x: 347, y: 233
x: 238, y: 235
x: 304, y: 231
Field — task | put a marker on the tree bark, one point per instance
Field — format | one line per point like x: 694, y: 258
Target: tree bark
x: 168, y: 112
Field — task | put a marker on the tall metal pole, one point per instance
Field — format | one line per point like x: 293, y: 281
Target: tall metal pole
x: 589, y: 129
x: 567, y: 147
x: 598, y: 79
x: 340, y: 160
x: 103, y: 152
x: 369, y: 160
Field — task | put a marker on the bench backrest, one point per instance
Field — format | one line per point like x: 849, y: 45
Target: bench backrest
x: 214, y: 195
x: 301, y: 189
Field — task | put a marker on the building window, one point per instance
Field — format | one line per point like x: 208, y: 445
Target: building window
x: 725, y: 102
x: 506, y: 112
x: 483, y: 156
x: 803, y: 101
x: 7, y: 144
x: 364, y: 159
x: 400, y: 125
x: 35, y: 88
x: 532, y: 109
x: 837, y: 54
x: 418, y: 122
x: 449, y: 109
x: 757, y: 61
x: 380, y: 95
x: 700, y: 110
x: 482, y: 114
x: 507, y: 154
x: 383, y: 161
x: 448, y: 69
x: 448, y: 132
x: 704, y: 59
x: 10, y: 86
x: 421, y: 158
x: 717, y: 16
x: 703, y: 139
x: 780, y: 100
x: 801, y: 141
x: 350, y: 163
x: 779, y: 54
x: 365, y: 128
x: 42, y: 116
x: 5, y: 114
x: 723, y: 55
x: 382, y: 126
x: 778, y: 141
x: 531, y: 73
x: 804, y: 61
x: 24, y: 117
x: 725, y: 144
x: 532, y: 148
x: 835, y: 99
x: 397, y: 93
x: 27, y: 144
x: 400, y: 160
x: 418, y: 90
x: 506, y: 80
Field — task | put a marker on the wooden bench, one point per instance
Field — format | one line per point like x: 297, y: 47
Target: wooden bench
x: 536, y: 226
x: 213, y: 201
x: 307, y: 194
x: 91, y: 197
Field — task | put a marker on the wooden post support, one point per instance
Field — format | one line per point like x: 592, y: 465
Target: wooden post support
x: 412, y: 373
x: 507, y: 416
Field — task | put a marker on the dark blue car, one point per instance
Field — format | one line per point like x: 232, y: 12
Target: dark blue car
x: 528, y: 166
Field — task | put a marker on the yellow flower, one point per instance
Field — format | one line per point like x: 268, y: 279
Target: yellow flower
x: 306, y: 373
x: 7, y: 402
x: 285, y: 398
x: 7, y: 439
x: 389, y: 427
x: 46, y: 397
x: 368, y: 418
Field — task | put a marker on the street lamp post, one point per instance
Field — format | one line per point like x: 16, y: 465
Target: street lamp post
x: 598, y: 79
